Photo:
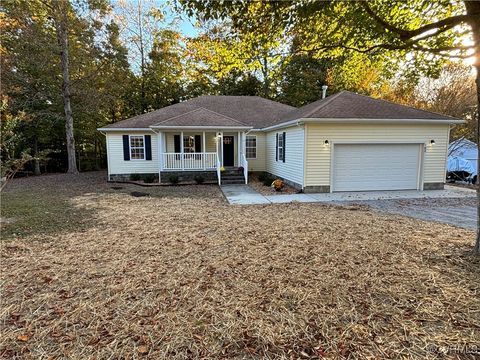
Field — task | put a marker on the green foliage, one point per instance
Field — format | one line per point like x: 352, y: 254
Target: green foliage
x: 135, y: 177
x: 302, y: 78
x: 199, y: 179
x: 149, y: 178
x: 173, y: 179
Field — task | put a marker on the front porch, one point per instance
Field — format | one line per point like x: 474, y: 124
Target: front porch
x: 201, y: 151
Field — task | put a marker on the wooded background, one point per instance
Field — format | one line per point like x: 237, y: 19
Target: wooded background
x: 110, y: 60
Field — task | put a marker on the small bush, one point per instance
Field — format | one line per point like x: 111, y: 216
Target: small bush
x: 262, y: 176
x: 173, y: 179
x: 267, y: 179
x: 135, y: 177
x: 199, y: 179
x: 149, y: 178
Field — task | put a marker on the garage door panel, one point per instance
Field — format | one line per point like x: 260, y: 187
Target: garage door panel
x: 359, y: 167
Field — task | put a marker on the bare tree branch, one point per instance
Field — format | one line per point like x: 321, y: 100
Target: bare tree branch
x: 447, y: 23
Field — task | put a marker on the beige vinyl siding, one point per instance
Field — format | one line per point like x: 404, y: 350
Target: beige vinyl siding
x: 258, y: 164
x: 292, y: 168
x: 318, y: 158
x: 116, y: 164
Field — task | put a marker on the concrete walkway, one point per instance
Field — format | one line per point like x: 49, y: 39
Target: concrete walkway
x: 245, y: 195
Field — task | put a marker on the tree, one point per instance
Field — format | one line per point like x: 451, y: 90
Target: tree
x: 164, y: 74
x: 428, y: 32
x: 223, y: 53
x: 301, y: 79
x: 140, y: 20
x: 453, y: 93
x: 240, y: 84
x: 60, y: 9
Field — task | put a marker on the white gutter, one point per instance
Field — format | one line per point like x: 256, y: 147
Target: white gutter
x: 200, y: 127
x: 124, y: 129
x: 362, y: 121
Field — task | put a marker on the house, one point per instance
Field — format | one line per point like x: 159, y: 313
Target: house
x: 345, y: 142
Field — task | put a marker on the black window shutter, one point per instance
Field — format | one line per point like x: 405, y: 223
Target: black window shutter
x: 198, y: 143
x: 126, y: 148
x: 176, y: 142
x: 148, y: 147
x: 284, y: 136
x: 276, y: 149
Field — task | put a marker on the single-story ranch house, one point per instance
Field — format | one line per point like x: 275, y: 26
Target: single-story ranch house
x: 345, y: 142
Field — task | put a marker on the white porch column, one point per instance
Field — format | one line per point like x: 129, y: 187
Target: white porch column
x: 244, y: 144
x: 203, y: 151
x: 216, y: 145
x: 221, y: 146
x: 160, y: 154
x: 239, y: 149
x: 181, y: 150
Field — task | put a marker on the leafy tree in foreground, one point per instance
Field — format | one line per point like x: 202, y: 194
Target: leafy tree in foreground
x: 426, y: 31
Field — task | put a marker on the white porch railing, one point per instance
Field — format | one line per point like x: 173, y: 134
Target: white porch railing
x: 219, y: 172
x: 189, y: 161
x: 245, y: 168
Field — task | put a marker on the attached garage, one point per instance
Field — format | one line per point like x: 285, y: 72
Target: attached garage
x: 365, y: 167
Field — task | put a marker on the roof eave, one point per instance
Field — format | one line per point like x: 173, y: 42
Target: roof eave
x: 362, y: 121
x: 216, y: 127
x: 123, y: 129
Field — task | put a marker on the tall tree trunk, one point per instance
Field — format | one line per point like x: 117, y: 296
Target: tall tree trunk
x: 473, y: 8
x: 142, y: 59
x: 36, y: 163
x: 62, y: 37
x: 266, y: 80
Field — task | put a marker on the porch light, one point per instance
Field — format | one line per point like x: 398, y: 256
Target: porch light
x: 327, y: 143
x: 432, y: 142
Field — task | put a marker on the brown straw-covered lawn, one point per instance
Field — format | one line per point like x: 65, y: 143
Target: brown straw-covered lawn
x: 91, y: 272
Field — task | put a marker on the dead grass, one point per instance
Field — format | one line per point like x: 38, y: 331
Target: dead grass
x: 180, y: 274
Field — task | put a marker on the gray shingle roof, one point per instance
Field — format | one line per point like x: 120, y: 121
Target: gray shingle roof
x: 201, y: 117
x: 252, y: 111
x: 348, y: 105
x: 257, y: 112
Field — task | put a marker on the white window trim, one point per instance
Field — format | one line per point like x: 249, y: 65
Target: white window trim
x: 251, y: 147
x: 280, y: 153
x: 189, y: 136
x: 136, y: 147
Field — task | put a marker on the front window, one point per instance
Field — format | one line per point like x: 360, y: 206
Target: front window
x: 137, y: 147
x: 280, y: 147
x: 189, y: 144
x: 251, y: 147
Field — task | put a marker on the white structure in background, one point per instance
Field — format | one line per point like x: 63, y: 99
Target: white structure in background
x: 462, y: 156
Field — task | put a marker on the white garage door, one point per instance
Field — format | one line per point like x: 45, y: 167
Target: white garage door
x: 375, y: 167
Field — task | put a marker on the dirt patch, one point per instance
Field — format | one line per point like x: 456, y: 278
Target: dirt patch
x: 182, y: 275
x: 5, y: 221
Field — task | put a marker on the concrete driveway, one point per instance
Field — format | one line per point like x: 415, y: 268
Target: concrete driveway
x: 454, y: 205
x: 461, y: 212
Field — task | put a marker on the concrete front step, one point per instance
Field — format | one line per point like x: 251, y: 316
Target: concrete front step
x: 232, y: 181
x: 233, y: 177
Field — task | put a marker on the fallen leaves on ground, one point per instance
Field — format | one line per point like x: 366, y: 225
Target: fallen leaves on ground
x: 181, y: 274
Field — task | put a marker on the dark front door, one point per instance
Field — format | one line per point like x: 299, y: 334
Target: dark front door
x: 228, y: 150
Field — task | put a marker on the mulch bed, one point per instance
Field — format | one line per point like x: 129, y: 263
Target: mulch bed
x: 181, y: 275
x: 255, y: 184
